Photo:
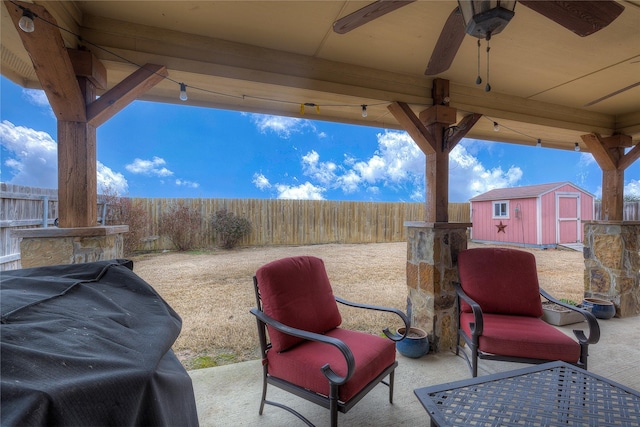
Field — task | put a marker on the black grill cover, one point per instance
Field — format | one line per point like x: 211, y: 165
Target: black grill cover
x: 88, y: 345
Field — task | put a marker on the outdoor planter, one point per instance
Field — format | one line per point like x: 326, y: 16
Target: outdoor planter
x: 415, y: 344
x: 600, y: 308
x: 558, y: 315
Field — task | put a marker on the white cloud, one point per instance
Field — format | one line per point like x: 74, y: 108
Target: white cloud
x: 35, y: 160
x: 185, y: 183
x: 468, y: 177
x: 632, y: 189
x: 306, y: 191
x: 397, y: 164
x: 111, y: 182
x: 261, y: 181
x: 36, y: 97
x: 323, y: 172
x: 153, y: 167
x: 281, y: 126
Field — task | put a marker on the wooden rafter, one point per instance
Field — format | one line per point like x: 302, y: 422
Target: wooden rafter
x: 601, y: 149
x: 461, y: 130
x: 121, y: 95
x: 51, y: 63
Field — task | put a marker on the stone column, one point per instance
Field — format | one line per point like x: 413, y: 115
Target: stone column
x: 612, y: 264
x: 432, y: 253
x: 52, y: 245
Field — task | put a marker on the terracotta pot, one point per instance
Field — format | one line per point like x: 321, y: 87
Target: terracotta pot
x: 415, y: 344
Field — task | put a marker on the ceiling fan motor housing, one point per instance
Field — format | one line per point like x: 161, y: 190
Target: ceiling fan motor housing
x: 484, y: 23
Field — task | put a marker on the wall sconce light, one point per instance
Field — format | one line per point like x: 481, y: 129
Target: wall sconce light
x: 364, y: 110
x: 577, y: 147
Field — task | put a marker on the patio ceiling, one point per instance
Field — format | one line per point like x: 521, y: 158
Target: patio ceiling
x: 270, y: 57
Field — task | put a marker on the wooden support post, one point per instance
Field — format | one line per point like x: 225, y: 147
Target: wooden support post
x: 70, y: 79
x: 77, y: 175
x: 609, y: 154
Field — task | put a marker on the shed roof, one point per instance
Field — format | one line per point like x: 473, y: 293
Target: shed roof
x: 521, y: 192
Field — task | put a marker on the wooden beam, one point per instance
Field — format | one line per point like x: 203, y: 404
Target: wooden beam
x: 629, y: 158
x: 86, y: 65
x: 599, y: 151
x: 125, y: 92
x: 461, y: 130
x: 414, y: 127
x: 50, y: 62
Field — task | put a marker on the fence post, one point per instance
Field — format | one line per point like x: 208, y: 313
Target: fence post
x: 45, y: 212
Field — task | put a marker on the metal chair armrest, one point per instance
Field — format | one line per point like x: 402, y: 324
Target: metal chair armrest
x: 592, y: 322
x: 311, y: 336
x: 478, y: 323
x: 403, y: 317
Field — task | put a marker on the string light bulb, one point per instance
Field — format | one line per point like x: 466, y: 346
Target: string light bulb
x: 26, y: 22
x: 496, y: 126
x: 577, y: 147
x: 364, y: 110
x: 183, y: 92
x: 539, y: 143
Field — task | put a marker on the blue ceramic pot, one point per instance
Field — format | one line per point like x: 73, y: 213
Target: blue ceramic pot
x: 600, y: 308
x: 414, y: 345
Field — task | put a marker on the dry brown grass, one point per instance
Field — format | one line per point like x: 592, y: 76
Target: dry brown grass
x: 213, y: 291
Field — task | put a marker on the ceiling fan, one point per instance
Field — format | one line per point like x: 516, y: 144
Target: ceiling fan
x: 484, y: 18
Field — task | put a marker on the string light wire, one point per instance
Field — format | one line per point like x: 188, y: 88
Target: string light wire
x: 183, y: 86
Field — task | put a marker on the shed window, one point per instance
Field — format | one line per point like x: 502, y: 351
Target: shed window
x: 501, y: 209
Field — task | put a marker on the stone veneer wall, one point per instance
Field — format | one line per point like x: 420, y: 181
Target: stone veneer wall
x: 53, y: 246
x: 432, y: 252
x: 612, y: 264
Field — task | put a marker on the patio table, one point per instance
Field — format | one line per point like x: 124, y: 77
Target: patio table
x: 551, y: 394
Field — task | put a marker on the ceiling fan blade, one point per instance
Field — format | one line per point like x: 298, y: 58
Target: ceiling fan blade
x: 367, y: 14
x: 447, y: 45
x: 581, y: 17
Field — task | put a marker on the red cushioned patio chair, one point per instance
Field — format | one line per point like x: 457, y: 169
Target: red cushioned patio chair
x: 304, y: 351
x: 500, y: 312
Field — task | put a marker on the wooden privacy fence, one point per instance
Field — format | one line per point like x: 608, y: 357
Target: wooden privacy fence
x: 274, y: 222
x: 299, y: 222
x: 631, y: 211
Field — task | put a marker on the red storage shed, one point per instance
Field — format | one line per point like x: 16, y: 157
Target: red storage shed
x: 541, y: 216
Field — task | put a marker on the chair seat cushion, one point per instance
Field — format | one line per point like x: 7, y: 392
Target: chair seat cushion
x: 522, y: 336
x: 301, y: 364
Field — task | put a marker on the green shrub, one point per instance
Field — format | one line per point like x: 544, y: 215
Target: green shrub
x: 229, y: 228
x: 181, y: 224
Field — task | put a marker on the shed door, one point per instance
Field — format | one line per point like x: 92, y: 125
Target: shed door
x: 568, y: 214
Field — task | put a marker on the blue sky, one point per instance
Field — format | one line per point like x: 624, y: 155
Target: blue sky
x: 162, y: 150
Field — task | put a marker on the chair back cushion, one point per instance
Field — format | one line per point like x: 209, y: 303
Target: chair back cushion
x: 501, y: 281
x: 296, y: 291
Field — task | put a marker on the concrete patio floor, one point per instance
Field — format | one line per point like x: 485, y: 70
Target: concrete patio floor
x: 230, y: 395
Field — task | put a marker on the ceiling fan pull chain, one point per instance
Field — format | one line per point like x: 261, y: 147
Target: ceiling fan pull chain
x: 478, y: 79
x: 487, y: 88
